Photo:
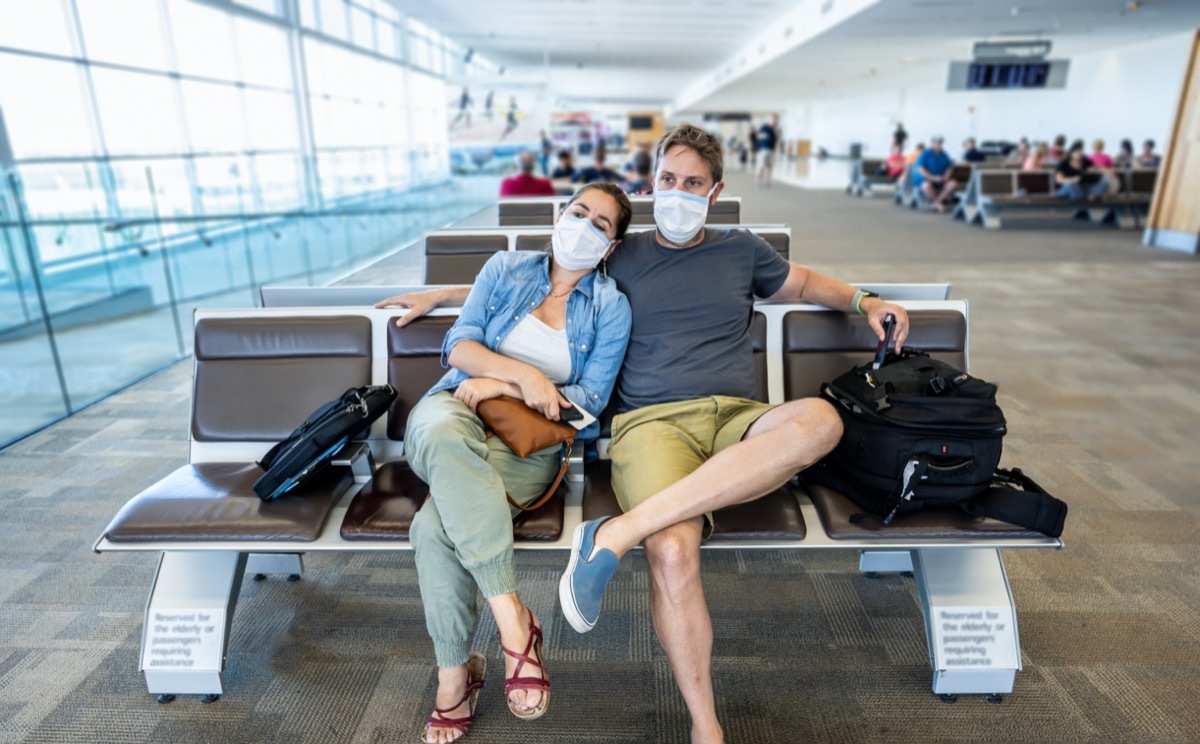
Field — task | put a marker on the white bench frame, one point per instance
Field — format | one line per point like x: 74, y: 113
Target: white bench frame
x: 952, y: 574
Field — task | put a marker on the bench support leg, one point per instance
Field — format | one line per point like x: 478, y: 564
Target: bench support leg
x: 970, y: 620
x: 185, y: 635
x: 885, y: 561
x: 261, y: 564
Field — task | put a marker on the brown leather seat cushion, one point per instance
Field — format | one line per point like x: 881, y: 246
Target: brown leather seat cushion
x: 214, y: 501
x: 844, y: 520
x: 385, y: 507
x: 775, y: 516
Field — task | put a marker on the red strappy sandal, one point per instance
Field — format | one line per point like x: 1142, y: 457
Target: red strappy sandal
x: 517, y: 682
x: 476, y: 668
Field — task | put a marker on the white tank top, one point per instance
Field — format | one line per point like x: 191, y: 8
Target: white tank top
x: 540, y: 346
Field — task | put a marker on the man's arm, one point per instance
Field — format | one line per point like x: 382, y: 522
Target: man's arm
x: 420, y: 303
x: 805, y: 285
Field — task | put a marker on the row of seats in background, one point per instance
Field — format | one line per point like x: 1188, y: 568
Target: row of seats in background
x: 990, y: 188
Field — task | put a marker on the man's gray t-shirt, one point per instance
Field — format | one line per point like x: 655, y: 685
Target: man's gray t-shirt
x: 692, y: 309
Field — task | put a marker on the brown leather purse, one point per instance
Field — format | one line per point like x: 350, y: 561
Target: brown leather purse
x: 526, y: 431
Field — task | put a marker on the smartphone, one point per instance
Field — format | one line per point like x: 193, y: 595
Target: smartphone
x: 575, y: 415
x: 889, y: 326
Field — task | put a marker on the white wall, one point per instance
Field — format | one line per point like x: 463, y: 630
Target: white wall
x: 1126, y: 92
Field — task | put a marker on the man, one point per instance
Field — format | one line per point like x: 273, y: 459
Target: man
x: 971, y: 153
x: 686, y: 432
x: 525, y: 183
x: 597, y: 171
x: 932, y: 174
x: 768, y: 140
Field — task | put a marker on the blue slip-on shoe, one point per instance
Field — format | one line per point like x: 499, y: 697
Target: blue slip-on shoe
x: 581, y: 589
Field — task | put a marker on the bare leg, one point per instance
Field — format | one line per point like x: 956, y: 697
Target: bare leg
x: 512, y: 618
x: 781, y: 442
x: 452, y: 685
x: 682, y: 622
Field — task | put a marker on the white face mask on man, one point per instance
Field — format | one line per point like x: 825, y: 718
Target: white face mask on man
x: 577, y: 243
x: 679, y: 215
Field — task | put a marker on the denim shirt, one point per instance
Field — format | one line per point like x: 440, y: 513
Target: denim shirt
x: 513, y: 283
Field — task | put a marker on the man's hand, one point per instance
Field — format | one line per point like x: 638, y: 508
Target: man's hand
x: 478, y: 389
x: 876, y: 310
x: 418, y: 304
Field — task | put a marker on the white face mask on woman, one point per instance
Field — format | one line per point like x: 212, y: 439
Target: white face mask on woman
x: 679, y: 215
x: 577, y: 243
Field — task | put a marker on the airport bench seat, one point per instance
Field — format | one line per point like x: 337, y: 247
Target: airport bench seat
x: 991, y: 192
x: 284, y: 362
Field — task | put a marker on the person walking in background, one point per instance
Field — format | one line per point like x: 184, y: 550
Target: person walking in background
x: 899, y: 137
x: 510, y: 120
x: 464, y: 108
x: 767, y: 141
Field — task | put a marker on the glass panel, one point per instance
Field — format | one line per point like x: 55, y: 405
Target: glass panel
x: 333, y: 18
x: 308, y: 14
x: 272, y: 118
x: 129, y: 32
x: 279, y: 181
x: 263, y: 6
x: 137, y: 112
x: 36, y: 129
x: 385, y: 38
x: 362, y: 27
x: 214, y: 116
x: 263, y: 50
x: 66, y: 191
x: 220, y: 183
x: 173, y: 193
x: 203, y: 38
x: 41, y: 26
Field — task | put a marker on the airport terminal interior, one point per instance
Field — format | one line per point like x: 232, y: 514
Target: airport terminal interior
x: 164, y: 158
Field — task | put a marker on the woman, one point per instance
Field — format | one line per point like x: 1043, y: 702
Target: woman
x: 1039, y: 158
x: 1124, y: 158
x: 548, y: 329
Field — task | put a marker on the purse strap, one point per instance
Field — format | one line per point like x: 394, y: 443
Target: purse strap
x: 558, y: 479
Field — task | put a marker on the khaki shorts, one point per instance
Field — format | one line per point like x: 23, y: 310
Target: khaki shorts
x: 653, y: 447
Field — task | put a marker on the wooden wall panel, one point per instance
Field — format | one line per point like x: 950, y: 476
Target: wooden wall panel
x: 1175, y: 211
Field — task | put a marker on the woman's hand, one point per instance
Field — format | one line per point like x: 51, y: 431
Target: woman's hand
x: 478, y: 389
x: 540, y: 394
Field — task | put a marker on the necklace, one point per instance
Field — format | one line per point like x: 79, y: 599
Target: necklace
x: 559, y: 296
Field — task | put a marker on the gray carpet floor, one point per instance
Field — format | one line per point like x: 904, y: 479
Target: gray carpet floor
x: 1092, y: 339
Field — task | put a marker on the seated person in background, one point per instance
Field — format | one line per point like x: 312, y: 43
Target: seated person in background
x: 629, y: 170
x: 1099, y: 157
x: 971, y: 153
x: 1124, y: 158
x: 597, y: 173
x: 1039, y: 158
x: 1077, y: 179
x: 566, y: 165
x: 1058, y: 150
x: 911, y: 158
x: 565, y: 351
x: 1147, y: 158
x: 932, y: 174
x: 525, y: 183
x: 1018, y: 155
x: 641, y: 179
x: 893, y: 167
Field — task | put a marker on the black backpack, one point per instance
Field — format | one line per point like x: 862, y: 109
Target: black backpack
x: 313, y: 444
x: 918, y: 432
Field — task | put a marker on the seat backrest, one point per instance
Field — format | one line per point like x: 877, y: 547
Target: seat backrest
x: 725, y: 212
x: 1142, y: 180
x: 643, y: 212
x: 780, y: 241
x: 995, y: 183
x: 457, y: 259
x: 518, y: 214
x: 818, y: 346
x: 532, y: 242
x: 414, y: 364
x: 1035, y: 182
x: 961, y: 173
x: 870, y: 165
x: 257, y: 378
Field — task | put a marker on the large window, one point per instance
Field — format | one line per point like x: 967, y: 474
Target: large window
x: 175, y: 152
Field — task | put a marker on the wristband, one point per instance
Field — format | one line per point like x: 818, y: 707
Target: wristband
x: 859, y: 296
